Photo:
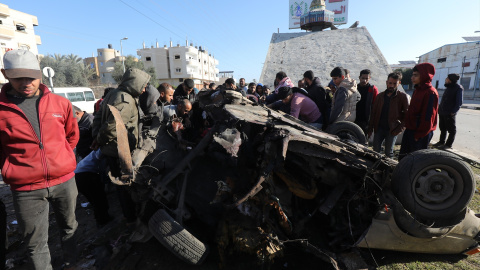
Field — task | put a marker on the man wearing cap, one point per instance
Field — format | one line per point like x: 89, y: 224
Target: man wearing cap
x: 38, y: 133
x: 451, y: 101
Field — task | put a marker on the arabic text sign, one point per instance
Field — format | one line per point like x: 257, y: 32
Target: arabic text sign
x: 298, y: 8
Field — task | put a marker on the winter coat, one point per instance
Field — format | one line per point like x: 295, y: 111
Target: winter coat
x: 28, y: 163
x: 422, y: 112
x: 344, y: 102
x: 85, y: 128
x: 396, y: 112
x: 452, y: 99
x: 320, y: 97
x: 125, y: 100
x: 180, y: 94
x: 303, y: 108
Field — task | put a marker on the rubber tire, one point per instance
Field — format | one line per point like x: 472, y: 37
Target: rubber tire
x: 177, y: 239
x: 413, y: 165
x: 352, y: 128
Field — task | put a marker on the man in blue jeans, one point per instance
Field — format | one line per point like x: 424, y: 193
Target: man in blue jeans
x: 387, y: 118
x: 38, y: 133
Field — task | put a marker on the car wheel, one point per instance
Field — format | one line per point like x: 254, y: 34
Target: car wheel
x: 347, y: 131
x: 176, y: 239
x: 433, y: 184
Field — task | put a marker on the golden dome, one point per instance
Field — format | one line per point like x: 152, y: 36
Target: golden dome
x: 317, y: 5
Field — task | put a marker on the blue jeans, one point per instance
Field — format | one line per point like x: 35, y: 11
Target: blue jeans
x: 32, y: 207
x: 381, y: 135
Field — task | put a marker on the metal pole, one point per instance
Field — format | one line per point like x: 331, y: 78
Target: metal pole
x: 463, y: 67
x: 121, y: 53
x: 51, y: 81
x: 475, y: 86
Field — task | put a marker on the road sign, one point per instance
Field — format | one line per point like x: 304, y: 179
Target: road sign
x: 48, y: 72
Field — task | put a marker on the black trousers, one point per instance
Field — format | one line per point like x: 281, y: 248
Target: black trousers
x: 447, y: 124
x: 91, y: 186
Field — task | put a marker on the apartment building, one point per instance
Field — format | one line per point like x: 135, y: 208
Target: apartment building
x: 17, y: 32
x: 104, y: 63
x: 174, y: 64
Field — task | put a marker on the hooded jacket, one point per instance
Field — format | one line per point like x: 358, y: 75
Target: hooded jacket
x: 422, y: 112
x: 27, y: 162
x: 125, y: 99
x: 344, y: 102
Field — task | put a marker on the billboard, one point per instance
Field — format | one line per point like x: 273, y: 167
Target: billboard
x: 299, y: 7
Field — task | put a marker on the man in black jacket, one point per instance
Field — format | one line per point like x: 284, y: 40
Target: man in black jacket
x: 451, y: 101
x: 318, y: 95
x: 85, y: 121
x: 184, y: 91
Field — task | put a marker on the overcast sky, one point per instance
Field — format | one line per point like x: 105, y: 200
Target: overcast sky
x: 236, y: 32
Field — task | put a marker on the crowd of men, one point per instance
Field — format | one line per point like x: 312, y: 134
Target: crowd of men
x: 43, y: 137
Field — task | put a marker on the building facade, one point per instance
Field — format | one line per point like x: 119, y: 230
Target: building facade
x: 17, y: 32
x: 461, y: 58
x: 174, y: 64
x: 104, y: 63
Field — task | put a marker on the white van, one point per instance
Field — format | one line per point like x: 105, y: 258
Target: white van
x: 82, y: 97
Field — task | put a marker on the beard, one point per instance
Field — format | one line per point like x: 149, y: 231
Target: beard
x: 390, y: 90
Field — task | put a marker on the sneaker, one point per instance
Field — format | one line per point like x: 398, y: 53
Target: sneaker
x: 438, y: 144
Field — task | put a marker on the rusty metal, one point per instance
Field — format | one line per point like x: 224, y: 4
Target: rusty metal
x: 124, y: 156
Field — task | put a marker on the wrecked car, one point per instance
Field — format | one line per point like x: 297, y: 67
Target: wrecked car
x: 259, y: 181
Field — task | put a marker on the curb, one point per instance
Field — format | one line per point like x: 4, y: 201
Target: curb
x: 470, y: 107
x: 469, y: 158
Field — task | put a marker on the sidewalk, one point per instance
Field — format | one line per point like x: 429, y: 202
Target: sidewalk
x: 471, y: 104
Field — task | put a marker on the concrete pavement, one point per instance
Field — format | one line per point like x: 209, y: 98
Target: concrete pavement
x: 471, y: 104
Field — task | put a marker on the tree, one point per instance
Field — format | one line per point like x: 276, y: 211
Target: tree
x: 406, y: 76
x: 69, y: 70
x: 133, y: 62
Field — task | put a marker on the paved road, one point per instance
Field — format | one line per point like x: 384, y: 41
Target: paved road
x: 468, y: 132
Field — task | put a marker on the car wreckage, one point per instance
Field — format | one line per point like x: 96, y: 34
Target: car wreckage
x: 261, y: 181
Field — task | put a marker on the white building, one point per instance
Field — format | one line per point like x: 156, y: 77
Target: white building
x: 17, y: 32
x: 403, y: 65
x: 461, y: 58
x: 175, y: 64
x: 104, y: 63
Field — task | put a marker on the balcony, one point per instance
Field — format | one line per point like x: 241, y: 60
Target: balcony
x: 6, y: 33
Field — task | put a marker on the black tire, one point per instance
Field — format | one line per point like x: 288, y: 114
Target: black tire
x: 433, y: 184
x: 347, y: 131
x: 176, y: 239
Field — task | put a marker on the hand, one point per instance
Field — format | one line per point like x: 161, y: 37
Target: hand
x: 94, y: 146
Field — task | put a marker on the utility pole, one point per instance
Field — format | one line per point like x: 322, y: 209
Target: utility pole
x: 475, y: 85
x: 463, y: 67
x: 121, y: 53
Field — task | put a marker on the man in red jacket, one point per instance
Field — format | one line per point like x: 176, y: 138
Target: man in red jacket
x: 38, y: 133
x: 421, y: 118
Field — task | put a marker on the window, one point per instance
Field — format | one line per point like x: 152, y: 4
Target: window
x: 441, y: 60
x: 177, y: 56
x: 24, y: 47
x: 148, y: 58
x: 101, y: 64
x: 180, y: 80
x: 21, y: 27
x: 92, y: 65
x: 103, y: 75
x: 100, y: 53
x: 178, y: 70
x: 89, y: 96
x: 1, y: 22
x: 75, y: 96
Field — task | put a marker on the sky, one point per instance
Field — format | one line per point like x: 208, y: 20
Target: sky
x: 238, y: 33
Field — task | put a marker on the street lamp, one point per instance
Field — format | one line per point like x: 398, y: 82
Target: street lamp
x: 121, y: 53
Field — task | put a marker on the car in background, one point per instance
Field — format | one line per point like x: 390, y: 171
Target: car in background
x: 82, y: 97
